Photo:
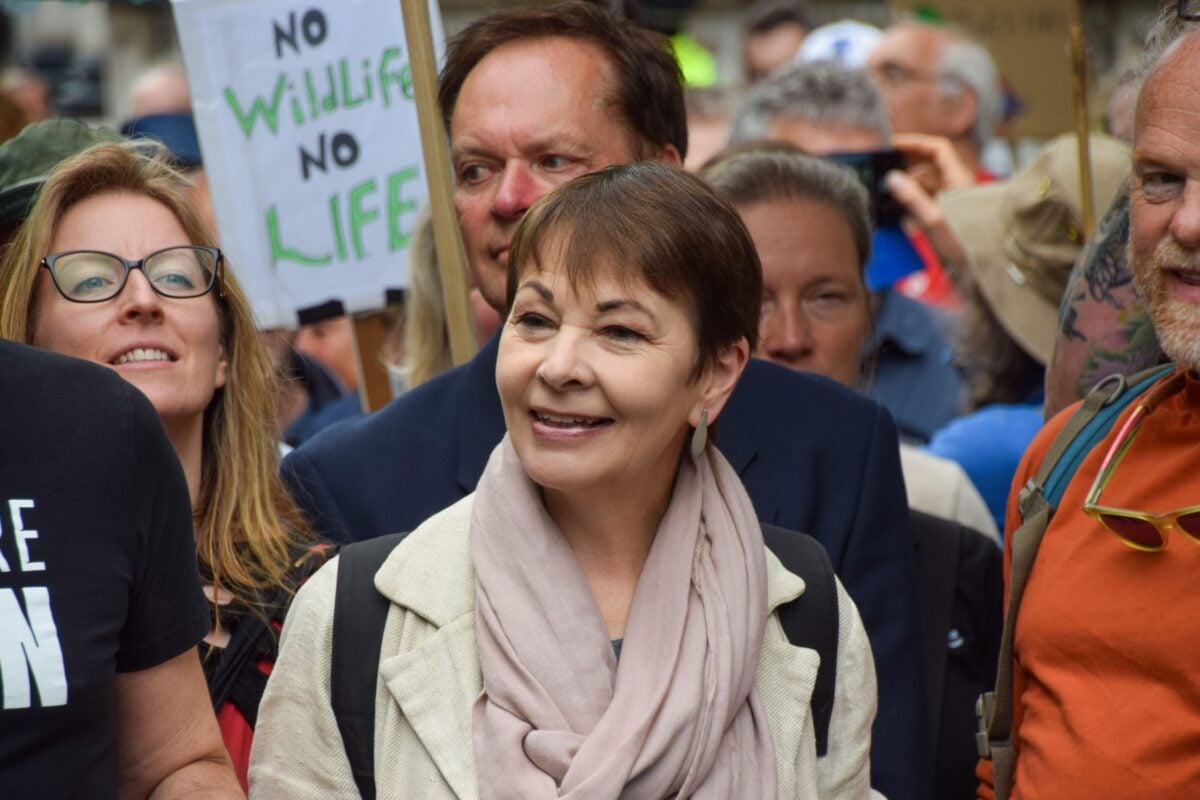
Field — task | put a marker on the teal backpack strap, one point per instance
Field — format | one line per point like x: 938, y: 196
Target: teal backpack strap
x: 1096, y: 428
x: 1037, y: 503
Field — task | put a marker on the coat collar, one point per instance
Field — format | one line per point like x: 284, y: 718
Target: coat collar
x: 430, y: 572
x: 733, y: 437
x: 435, y: 684
x: 911, y: 326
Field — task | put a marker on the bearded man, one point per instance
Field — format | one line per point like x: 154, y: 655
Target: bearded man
x: 1106, y: 694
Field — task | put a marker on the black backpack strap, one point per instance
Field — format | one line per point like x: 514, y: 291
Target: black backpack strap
x: 359, y: 614
x: 811, y: 620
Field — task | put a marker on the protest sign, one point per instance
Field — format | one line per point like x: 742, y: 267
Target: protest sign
x: 310, y: 141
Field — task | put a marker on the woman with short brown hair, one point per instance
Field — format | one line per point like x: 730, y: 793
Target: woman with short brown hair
x: 599, y: 618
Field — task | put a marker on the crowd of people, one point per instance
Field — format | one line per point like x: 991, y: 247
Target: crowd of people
x: 787, y: 401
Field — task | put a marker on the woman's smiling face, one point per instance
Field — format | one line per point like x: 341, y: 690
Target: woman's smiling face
x: 597, y: 382
x: 170, y: 348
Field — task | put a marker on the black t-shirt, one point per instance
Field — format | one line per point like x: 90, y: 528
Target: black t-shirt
x: 98, y: 567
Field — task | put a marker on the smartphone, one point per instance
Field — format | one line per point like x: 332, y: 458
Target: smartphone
x: 871, y: 167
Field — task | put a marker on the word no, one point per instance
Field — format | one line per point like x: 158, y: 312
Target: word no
x: 320, y: 90
x: 313, y: 28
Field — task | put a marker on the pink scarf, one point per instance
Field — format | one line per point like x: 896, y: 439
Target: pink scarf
x: 679, y: 717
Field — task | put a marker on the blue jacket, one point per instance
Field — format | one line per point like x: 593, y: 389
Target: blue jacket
x: 988, y: 443
x: 912, y: 374
x: 813, y: 455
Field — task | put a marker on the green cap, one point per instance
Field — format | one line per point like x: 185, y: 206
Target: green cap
x: 27, y: 159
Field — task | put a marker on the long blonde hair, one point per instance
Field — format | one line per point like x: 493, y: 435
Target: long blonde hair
x: 426, y: 333
x: 248, y: 530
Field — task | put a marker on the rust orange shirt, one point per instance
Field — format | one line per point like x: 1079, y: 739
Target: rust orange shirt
x: 1107, y: 645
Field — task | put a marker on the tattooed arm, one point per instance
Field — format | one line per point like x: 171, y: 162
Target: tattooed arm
x: 1103, y: 326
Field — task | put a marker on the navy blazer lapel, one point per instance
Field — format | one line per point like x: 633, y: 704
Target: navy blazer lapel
x: 736, y: 443
x: 733, y: 436
x: 480, y: 418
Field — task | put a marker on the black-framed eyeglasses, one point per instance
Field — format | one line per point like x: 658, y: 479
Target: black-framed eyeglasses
x: 93, y: 276
x: 1188, y: 9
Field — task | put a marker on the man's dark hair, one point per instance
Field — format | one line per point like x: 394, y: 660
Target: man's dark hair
x: 648, y: 84
x: 766, y: 15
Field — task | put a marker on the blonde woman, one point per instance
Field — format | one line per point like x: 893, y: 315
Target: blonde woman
x: 114, y: 266
x: 418, y: 346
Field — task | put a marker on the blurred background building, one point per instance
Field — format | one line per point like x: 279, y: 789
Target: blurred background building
x: 88, y: 53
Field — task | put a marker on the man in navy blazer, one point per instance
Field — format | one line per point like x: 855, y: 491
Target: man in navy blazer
x: 532, y: 98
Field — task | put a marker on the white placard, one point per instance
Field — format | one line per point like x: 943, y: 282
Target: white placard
x: 309, y: 137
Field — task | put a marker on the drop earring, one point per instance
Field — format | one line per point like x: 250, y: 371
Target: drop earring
x: 700, y: 435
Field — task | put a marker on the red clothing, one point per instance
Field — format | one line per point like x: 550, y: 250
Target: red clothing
x: 932, y: 284
x: 236, y: 730
x: 1106, y: 684
x: 985, y: 176
x: 237, y: 733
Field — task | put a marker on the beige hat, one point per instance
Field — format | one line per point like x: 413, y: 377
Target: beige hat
x: 1022, y: 235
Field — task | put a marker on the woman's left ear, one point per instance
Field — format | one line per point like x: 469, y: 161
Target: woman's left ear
x: 720, y: 379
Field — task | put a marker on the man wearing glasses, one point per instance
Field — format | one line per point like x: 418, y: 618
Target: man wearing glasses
x: 936, y: 81
x: 1106, y: 689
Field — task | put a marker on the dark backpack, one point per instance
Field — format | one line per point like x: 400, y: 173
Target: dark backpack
x: 1037, y: 502
x: 359, y: 614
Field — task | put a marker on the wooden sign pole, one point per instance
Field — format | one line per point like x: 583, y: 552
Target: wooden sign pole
x: 447, y: 240
x: 370, y: 329
x: 374, y: 386
x: 1079, y: 89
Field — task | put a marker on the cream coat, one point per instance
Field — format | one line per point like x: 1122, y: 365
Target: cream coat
x: 429, y: 679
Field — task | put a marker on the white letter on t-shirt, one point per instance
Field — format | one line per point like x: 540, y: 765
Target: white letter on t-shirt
x: 30, y: 646
x: 23, y: 535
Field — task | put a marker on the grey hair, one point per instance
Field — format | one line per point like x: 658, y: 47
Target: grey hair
x: 821, y: 91
x: 967, y: 63
x: 1166, y: 29
x: 1164, y: 32
x: 774, y: 171
x: 711, y: 101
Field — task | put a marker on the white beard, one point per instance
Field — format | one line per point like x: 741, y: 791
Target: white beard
x: 1177, y: 322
